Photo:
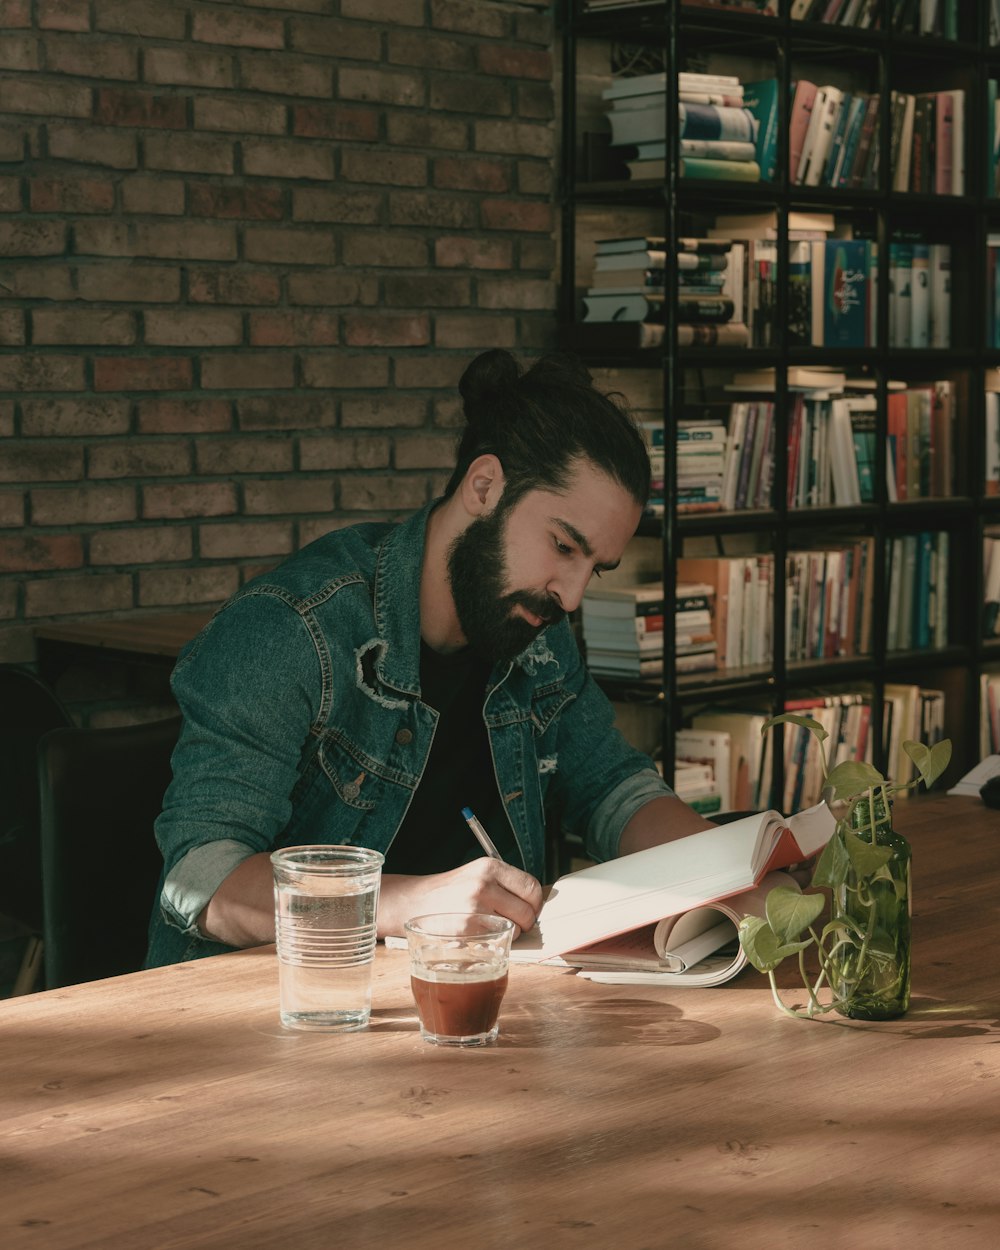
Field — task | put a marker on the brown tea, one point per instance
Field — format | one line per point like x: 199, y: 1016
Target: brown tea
x: 458, y: 1008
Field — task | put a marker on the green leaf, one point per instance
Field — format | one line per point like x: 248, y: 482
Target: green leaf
x: 866, y: 859
x: 930, y: 762
x: 762, y: 946
x: 832, y: 866
x: 790, y: 911
x: 852, y: 777
x: 794, y: 718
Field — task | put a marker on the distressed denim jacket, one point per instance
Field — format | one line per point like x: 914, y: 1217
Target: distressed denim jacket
x: 303, y: 723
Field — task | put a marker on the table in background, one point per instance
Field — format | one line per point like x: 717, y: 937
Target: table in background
x: 168, y: 1108
x: 155, y: 634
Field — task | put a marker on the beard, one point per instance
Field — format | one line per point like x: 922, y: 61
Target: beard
x: 477, y: 571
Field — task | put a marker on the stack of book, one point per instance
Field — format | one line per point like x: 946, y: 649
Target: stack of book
x: 832, y: 137
x: 993, y: 136
x: 920, y: 446
x: 832, y: 292
x: 846, y: 717
x: 911, y: 713
x: 628, y: 288
x: 623, y: 629
x: 991, y: 585
x: 928, y: 142
x: 766, y: 8
x: 993, y: 289
x: 742, y: 595
x: 717, y: 132
x: 749, y: 754
x: 991, y: 474
x: 917, y: 608
x: 919, y: 293
x: 831, y: 449
x: 702, y: 769
x: 861, y: 14
x: 989, y: 714
x: 925, y: 17
x: 828, y: 598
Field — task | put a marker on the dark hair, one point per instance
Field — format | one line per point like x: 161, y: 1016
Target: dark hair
x: 538, y: 423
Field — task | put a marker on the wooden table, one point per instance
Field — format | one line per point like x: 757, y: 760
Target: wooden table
x: 149, y: 635
x: 169, y: 1108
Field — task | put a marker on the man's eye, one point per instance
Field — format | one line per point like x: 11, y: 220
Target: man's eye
x: 562, y: 547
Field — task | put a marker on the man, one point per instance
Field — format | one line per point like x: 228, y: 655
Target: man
x: 388, y: 675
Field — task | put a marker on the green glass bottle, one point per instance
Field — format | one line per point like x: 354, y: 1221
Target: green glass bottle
x: 872, y: 970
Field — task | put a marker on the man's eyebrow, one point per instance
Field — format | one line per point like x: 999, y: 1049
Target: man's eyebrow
x: 583, y: 543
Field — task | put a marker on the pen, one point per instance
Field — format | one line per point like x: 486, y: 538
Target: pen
x: 482, y: 837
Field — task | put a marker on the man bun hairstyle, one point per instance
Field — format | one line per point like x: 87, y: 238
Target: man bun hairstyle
x: 539, y: 422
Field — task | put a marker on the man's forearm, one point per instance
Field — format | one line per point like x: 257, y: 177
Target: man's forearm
x: 660, y: 820
x: 241, y: 911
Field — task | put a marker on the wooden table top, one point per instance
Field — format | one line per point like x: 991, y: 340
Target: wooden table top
x: 169, y: 1108
x: 153, y: 633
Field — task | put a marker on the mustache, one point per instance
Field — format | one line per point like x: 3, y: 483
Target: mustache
x: 543, y: 606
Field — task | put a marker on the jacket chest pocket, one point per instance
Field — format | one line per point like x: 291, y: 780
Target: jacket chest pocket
x: 353, y: 775
x: 547, y: 704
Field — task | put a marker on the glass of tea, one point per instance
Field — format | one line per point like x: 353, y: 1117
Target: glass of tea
x: 458, y: 972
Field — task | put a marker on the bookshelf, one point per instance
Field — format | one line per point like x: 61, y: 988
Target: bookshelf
x: 928, y: 512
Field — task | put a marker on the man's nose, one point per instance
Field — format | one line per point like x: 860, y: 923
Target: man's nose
x: 567, y: 588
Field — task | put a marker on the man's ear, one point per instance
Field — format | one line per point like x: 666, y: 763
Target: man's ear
x: 482, y: 485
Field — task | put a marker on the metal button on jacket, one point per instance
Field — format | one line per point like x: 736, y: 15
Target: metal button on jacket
x: 404, y: 737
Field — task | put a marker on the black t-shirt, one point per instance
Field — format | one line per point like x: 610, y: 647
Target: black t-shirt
x: 434, y: 836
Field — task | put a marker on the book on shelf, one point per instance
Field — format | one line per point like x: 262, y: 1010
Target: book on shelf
x: 797, y: 377
x: 749, y: 759
x: 761, y: 98
x: 632, y: 891
x: 711, y: 748
x: 799, y: 118
x: 817, y: 140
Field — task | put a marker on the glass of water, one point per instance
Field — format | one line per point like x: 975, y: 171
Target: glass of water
x: 325, y: 898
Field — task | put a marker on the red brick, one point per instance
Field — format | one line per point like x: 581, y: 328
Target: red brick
x: 32, y: 238
x: 11, y: 200
x: 142, y: 545
x: 191, y: 153
x: 471, y: 17
x: 77, y: 195
x: 191, y: 327
x: 77, y: 596
x: 429, y: 372
x: 63, y: 15
x: 70, y: 418
x: 142, y: 373
x: 11, y: 145
x: 11, y: 509
x: 505, y: 294
x: 423, y: 130
x: 150, y: 193
x: 535, y: 99
x: 12, y: 331
x: 152, y: 18
x: 23, y: 463
x: 426, y: 290
x: 401, y: 169
x: 238, y: 29
x: 119, y: 106
x: 340, y: 371
x: 230, y: 456
x: 226, y: 540
x: 183, y: 416
x: 509, y: 62
x: 248, y: 371
x: 289, y: 497
x: 139, y: 458
x: 289, y: 246
x: 45, y: 98
x: 386, y: 330
x: 91, y: 146
x: 334, y: 121
x: 15, y: 13
x: 228, y: 286
x: 383, y: 411
x: 325, y: 36
x: 41, y: 373
x: 464, y: 331
x: 136, y: 283
x: 347, y: 207
x: 363, y: 494
x: 189, y: 499
x: 473, y: 95
x: 34, y: 281
x: 424, y: 451
x: 33, y: 553
x: 391, y: 12
x: 344, y: 451
x: 85, y: 58
x: 471, y: 174
x: 83, y: 505
x: 249, y: 203
x: 6, y: 418
x: 101, y: 326
x: 430, y: 51
x: 174, y: 587
x: 285, y: 76
x: 245, y: 117
x: 290, y: 329
x: 516, y: 215
x: 285, y: 158
x: 382, y: 86
x: 473, y: 252
x: 517, y: 138
x: 188, y: 67
x: 537, y: 254
x: 175, y: 240
x: 19, y: 52
x: 409, y: 208
x: 396, y: 250
x: 290, y: 412
x: 536, y: 178
x: 332, y: 288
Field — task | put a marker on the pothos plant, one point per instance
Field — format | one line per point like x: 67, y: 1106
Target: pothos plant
x: 862, y: 950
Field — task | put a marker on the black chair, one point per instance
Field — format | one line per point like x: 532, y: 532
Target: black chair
x: 101, y: 792
x: 28, y: 709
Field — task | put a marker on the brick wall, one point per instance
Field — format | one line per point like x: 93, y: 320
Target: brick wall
x: 246, y: 250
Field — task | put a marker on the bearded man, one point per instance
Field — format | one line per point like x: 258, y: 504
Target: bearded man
x: 388, y: 675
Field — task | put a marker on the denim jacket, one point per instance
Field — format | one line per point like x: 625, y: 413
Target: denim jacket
x: 303, y: 723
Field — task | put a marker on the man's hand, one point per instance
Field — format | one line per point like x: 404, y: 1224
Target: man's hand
x: 484, y: 885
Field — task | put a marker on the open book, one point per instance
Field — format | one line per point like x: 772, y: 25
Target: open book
x: 634, y: 891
